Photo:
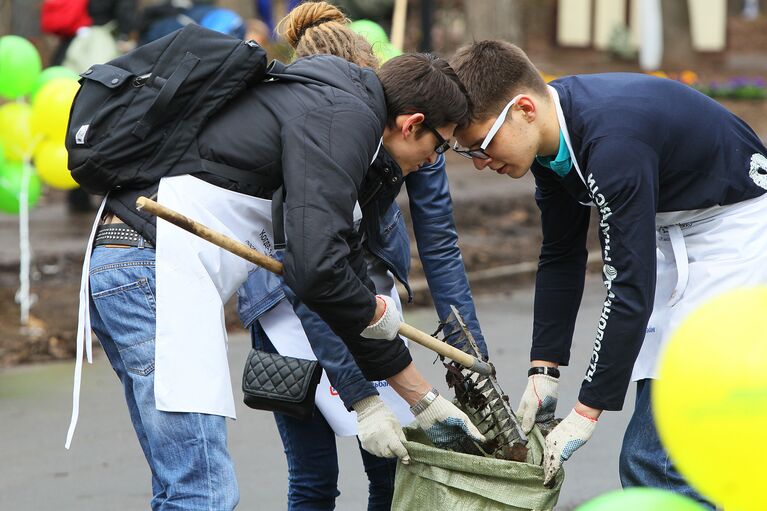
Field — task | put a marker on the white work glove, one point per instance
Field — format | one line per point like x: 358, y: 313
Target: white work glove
x: 387, y: 325
x: 539, y: 402
x: 563, y: 441
x: 379, y: 430
x: 446, y: 425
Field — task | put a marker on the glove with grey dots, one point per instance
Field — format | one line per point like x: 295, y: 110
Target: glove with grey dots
x: 446, y: 425
x: 539, y: 402
x: 574, y: 431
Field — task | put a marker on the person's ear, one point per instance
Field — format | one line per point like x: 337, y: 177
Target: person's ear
x: 410, y: 123
x: 527, y: 107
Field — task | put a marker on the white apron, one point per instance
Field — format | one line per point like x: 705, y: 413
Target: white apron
x: 83, y: 339
x: 701, y: 254
x: 191, y: 369
x: 195, y: 278
x: 287, y: 335
x: 284, y: 330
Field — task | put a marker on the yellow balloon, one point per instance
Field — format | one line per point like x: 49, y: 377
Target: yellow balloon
x: 710, y: 399
x: 51, y: 163
x: 15, y: 131
x: 50, y: 108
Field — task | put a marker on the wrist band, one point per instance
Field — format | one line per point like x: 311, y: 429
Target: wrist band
x: 548, y: 371
x: 424, y: 402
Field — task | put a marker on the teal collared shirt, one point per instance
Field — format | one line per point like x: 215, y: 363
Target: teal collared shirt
x: 562, y: 162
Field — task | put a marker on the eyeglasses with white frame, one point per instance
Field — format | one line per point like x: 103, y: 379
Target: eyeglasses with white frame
x: 480, y: 153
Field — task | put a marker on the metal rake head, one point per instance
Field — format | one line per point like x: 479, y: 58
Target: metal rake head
x: 481, y: 398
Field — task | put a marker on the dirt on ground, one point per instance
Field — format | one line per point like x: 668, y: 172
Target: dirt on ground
x: 50, y: 332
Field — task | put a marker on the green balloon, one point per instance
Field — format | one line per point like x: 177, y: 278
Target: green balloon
x: 386, y: 51
x: 51, y: 73
x: 641, y: 499
x: 19, y: 66
x: 10, y: 187
x: 371, y: 31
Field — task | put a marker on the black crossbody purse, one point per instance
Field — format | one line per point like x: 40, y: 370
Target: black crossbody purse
x: 281, y: 384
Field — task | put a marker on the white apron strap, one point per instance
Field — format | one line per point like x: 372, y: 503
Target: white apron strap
x: 375, y: 155
x: 84, y: 338
x: 682, y: 266
x: 566, y: 134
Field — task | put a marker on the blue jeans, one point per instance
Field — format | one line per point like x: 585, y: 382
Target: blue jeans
x: 310, y: 447
x: 186, y: 452
x: 643, y: 460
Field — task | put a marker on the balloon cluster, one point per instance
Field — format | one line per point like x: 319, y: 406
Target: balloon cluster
x: 376, y: 36
x: 32, y: 132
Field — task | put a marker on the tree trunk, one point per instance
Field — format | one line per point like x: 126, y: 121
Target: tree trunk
x: 495, y: 19
x: 677, y: 39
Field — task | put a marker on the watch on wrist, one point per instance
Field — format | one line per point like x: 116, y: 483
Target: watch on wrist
x: 425, y: 401
x: 548, y: 371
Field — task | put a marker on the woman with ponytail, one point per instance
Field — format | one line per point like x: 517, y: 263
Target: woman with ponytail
x: 316, y: 28
x: 310, y: 445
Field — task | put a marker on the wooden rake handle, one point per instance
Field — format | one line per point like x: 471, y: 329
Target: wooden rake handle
x: 274, y: 266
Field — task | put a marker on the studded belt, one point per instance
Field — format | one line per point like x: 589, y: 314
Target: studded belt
x: 119, y: 234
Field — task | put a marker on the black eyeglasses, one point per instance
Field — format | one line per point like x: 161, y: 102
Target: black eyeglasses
x: 479, y: 154
x: 442, y: 144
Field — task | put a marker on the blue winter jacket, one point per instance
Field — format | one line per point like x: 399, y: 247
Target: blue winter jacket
x: 387, y: 239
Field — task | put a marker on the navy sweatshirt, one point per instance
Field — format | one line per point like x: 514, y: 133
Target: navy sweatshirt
x: 644, y: 145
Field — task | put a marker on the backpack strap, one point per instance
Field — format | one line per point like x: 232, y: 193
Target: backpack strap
x: 242, y: 176
x: 276, y: 71
x: 278, y: 218
x: 169, y: 89
x: 276, y: 68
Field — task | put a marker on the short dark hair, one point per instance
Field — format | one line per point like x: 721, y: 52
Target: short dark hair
x: 493, y: 72
x: 425, y: 83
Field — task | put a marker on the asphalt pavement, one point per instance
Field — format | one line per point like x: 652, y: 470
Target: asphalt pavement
x: 105, y: 468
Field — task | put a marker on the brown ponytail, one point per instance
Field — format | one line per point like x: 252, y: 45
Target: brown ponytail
x: 321, y: 28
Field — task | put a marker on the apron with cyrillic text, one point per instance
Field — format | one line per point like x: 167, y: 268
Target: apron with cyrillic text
x: 701, y: 254
x: 284, y: 330
x: 195, y: 278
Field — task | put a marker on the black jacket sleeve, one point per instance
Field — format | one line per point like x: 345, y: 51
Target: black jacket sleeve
x: 326, y: 153
x: 622, y: 179
x: 561, y: 269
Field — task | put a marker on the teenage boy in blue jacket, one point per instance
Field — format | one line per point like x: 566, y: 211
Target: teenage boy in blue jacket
x: 679, y: 185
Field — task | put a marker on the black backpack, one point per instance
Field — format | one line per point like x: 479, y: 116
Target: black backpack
x: 135, y: 117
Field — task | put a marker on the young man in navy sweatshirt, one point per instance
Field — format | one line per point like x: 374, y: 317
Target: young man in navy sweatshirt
x: 679, y: 185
